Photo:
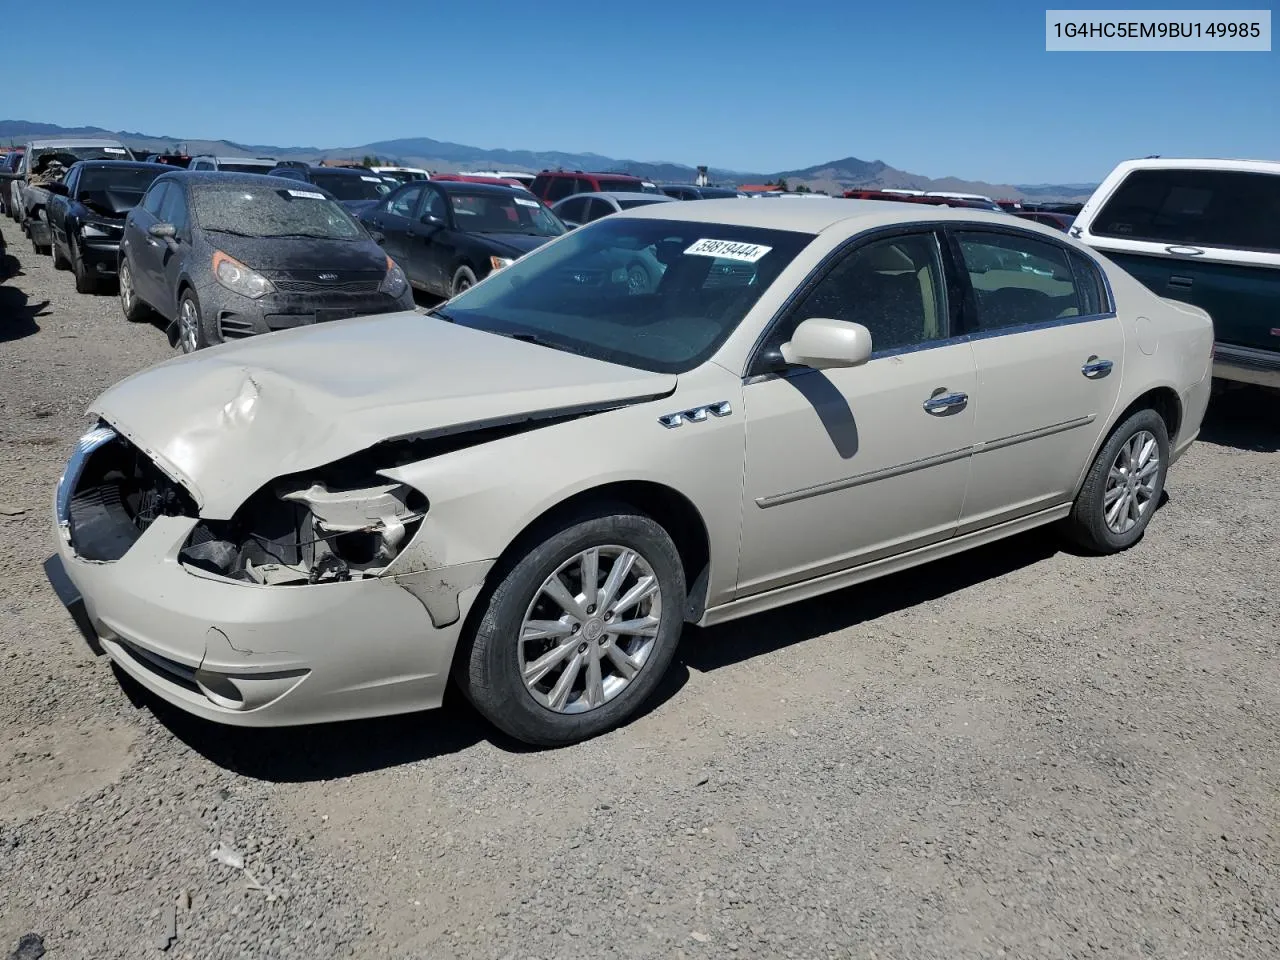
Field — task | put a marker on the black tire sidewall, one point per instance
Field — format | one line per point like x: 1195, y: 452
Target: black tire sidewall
x: 490, y: 672
x: 204, y: 337
x: 1088, y: 514
x: 140, y: 311
x: 458, y: 275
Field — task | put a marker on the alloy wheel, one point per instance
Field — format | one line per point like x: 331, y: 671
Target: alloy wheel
x: 126, y: 287
x: 1130, y: 487
x: 590, y: 629
x: 188, y: 326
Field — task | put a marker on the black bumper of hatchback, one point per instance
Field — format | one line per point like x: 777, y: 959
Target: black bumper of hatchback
x: 101, y: 258
x: 238, y: 317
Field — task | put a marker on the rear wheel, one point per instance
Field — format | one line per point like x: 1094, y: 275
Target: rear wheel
x: 577, y: 634
x: 135, y: 311
x: 464, y: 279
x: 1123, y: 487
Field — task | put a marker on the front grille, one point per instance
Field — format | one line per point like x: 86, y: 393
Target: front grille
x: 345, y: 281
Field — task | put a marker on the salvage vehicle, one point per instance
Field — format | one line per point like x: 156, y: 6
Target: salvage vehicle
x: 47, y: 161
x: 533, y: 488
x: 355, y: 188
x: 1206, y: 232
x: 587, y: 207
x: 86, y: 214
x: 232, y: 164
x: 551, y: 186
x: 228, y: 255
x: 449, y: 234
x: 9, y: 164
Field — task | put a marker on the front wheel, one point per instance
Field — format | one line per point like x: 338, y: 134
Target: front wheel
x: 193, y: 333
x: 59, y: 261
x: 85, y: 281
x: 464, y: 279
x: 579, y: 630
x: 1123, y: 487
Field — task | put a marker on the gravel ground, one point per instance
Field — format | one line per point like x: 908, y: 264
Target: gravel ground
x: 1025, y: 754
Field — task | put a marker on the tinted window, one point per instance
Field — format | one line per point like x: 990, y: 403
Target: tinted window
x: 651, y: 294
x: 1018, y: 280
x: 598, y: 207
x: 711, y: 193
x: 114, y: 189
x: 615, y: 185
x: 1212, y: 208
x: 403, y: 202
x: 560, y: 187
x: 628, y: 204
x: 293, y: 173
x: 503, y: 213
x: 574, y: 209
x: 1088, y: 276
x: 350, y: 186
x: 174, y: 208
x: 155, y: 196
x: 894, y: 288
x: 231, y: 166
x: 436, y: 206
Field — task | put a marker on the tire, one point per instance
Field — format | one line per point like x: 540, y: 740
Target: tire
x: 491, y: 664
x: 85, y: 282
x: 135, y: 311
x: 59, y: 261
x: 193, y: 329
x: 462, y: 280
x: 1134, y: 442
x: 638, y: 279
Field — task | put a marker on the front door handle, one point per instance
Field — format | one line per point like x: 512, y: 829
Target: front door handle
x: 1181, y: 250
x: 945, y: 401
x: 1094, y: 368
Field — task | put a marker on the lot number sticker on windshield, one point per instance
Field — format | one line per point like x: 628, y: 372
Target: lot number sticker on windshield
x: 372, y: 179
x: 113, y: 149
x: 728, y: 250
x: 526, y: 203
x: 305, y: 193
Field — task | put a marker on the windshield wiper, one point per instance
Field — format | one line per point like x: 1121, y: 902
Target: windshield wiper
x: 312, y: 236
x: 234, y: 233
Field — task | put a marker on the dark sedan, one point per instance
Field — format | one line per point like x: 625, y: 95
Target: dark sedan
x: 86, y: 214
x: 356, y: 189
x: 448, y: 235
x: 227, y: 255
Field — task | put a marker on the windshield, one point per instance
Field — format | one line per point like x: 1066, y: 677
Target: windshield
x: 711, y: 193
x: 234, y: 167
x: 637, y: 202
x: 347, y: 186
x: 503, y: 213
x: 661, y: 295
x: 66, y: 156
x: 114, y: 189
x: 253, y: 210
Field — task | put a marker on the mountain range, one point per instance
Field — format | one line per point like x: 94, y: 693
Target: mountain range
x: 833, y: 177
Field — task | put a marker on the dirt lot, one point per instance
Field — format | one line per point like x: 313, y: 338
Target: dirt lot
x: 1022, y: 753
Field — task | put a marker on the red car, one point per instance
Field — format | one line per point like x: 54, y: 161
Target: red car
x: 552, y: 185
x: 473, y: 178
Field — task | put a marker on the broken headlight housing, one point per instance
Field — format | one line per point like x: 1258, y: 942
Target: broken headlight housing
x: 319, y: 530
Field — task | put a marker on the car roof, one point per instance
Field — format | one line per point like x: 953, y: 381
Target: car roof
x: 627, y: 195
x: 1188, y: 163
x: 114, y: 164
x: 468, y: 186
x: 813, y: 217
x: 343, y: 171
x: 589, y: 173
x: 74, y: 142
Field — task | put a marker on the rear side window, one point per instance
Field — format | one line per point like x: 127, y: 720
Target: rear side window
x: 1018, y: 280
x: 155, y: 196
x: 1093, y: 293
x: 559, y: 188
x: 574, y: 210
x: 1211, y: 208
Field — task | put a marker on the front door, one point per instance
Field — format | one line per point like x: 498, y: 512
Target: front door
x: 393, y: 217
x: 845, y: 466
x: 143, y: 250
x: 173, y: 255
x: 1050, y: 353
x: 423, y: 261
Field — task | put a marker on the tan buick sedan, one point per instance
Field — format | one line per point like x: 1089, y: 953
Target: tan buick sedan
x: 685, y: 413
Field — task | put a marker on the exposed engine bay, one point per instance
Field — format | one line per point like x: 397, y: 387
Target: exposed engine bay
x: 324, y: 530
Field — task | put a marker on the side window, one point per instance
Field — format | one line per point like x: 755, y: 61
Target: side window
x: 154, y: 198
x: 72, y: 182
x: 560, y: 188
x: 403, y: 202
x: 539, y: 185
x: 436, y: 206
x: 583, y: 185
x: 574, y: 209
x: 200, y: 165
x: 293, y: 173
x: 893, y: 287
x: 1093, y: 296
x: 598, y: 208
x: 1018, y: 279
x: 174, y: 208
x: 1214, y: 208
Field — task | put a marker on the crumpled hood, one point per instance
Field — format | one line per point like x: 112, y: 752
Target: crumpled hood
x: 227, y: 420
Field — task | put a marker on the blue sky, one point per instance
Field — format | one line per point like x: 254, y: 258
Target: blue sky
x: 937, y: 88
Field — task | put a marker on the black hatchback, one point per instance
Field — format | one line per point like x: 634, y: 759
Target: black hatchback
x: 225, y: 255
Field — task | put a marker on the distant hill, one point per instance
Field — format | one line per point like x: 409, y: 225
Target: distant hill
x: 833, y: 177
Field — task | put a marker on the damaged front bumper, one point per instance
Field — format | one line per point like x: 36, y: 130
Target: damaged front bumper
x: 254, y: 655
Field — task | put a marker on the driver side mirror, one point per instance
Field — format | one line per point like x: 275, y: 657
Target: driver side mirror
x: 163, y: 231
x: 823, y: 343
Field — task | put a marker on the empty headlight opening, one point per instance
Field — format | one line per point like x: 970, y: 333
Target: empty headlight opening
x: 318, y: 529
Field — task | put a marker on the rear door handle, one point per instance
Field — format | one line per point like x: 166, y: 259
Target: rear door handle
x: 1184, y: 282
x: 944, y: 402
x: 1095, y: 368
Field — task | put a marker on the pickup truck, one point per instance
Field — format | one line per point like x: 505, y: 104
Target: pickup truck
x: 47, y: 161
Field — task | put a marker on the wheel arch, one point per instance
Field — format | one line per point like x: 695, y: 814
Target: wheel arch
x: 1162, y: 398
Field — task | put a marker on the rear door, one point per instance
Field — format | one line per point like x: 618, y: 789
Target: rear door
x: 144, y: 251
x: 173, y: 257
x: 1207, y: 237
x: 393, y: 217
x: 1049, y: 352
